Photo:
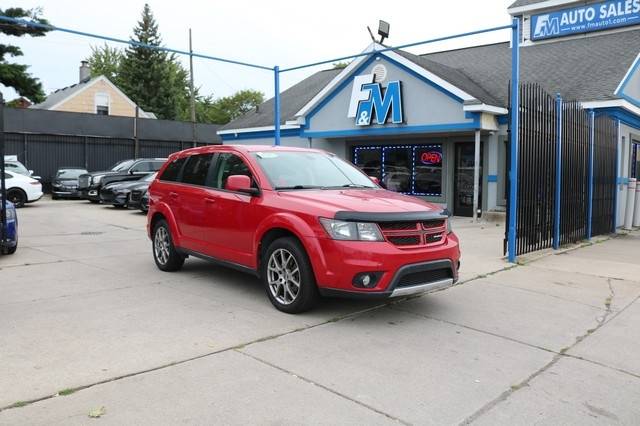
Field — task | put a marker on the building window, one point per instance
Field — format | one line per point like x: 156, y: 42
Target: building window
x: 102, y: 103
x: 409, y: 169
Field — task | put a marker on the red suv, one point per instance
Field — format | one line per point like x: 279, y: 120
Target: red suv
x: 303, y: 220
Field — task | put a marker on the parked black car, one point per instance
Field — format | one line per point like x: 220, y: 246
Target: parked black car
x: 139, y: 196
x: 64, y: 183
x: 117, y: 193
x: 126, y: 170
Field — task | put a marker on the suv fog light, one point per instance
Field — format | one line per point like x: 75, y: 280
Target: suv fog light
x: 366, y: 279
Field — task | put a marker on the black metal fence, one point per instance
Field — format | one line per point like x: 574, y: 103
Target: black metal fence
x: 554, y: 153
x: 604, y: 164
x: 537, y: 157
x: 575, y: 173
x: 46, y: 140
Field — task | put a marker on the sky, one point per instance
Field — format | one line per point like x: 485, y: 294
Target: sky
x: 284, y: 33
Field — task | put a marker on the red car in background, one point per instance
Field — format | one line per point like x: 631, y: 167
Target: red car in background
x: 304, y: 221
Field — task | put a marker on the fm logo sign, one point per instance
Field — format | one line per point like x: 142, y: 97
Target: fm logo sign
x: 546, y: 26
x: 368, y: 98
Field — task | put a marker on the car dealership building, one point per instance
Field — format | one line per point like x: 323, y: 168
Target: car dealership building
x: 414, y: 121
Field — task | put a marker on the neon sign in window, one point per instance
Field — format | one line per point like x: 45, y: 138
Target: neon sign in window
x: 409, y: 169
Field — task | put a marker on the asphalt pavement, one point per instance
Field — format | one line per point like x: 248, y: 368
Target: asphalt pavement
x: 92, y: 332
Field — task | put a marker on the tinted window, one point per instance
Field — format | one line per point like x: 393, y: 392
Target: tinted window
x: 172, y: 172
x: 228, y: 165
x: 195, y: 172
x: 70, y: 173
x: 122, y: 165
x: 143, y: 166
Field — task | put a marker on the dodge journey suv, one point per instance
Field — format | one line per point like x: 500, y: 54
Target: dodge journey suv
x: 304, y: 221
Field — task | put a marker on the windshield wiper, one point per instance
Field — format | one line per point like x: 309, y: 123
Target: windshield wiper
x: 355, y: 185
x: 278, y: 188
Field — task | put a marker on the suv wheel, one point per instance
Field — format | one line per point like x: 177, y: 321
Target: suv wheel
x: 17, y: 197
x: 164, y: 252
x: 288, y: 277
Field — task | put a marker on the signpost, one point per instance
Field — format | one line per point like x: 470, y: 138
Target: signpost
x: 3, y: 187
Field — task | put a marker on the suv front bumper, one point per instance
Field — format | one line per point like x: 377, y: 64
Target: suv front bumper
x: 402, y: 272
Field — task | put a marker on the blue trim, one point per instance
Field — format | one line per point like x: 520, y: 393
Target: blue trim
x: 632, y: 101
x: 263, y: 134
x: 634, y: 69
x: 373, y: 131
x: 503, y: 119
x: 622, y: 115
x: 623, y: 180
x: 558, y: 189
x: 590, y: 188
x: 492, y: 178
x: 514, y: 136
x: 348, y: 80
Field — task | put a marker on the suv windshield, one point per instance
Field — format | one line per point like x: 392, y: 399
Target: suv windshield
x: 122, y: 165
x: 70, y: 173
x: 310, y: 170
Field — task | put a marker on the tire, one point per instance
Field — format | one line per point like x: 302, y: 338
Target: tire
x: 17, y: 196
x: 285, y: 262
x: 10, y: 250
x: 94, y: 201
x: 54, y: 197
x: 165, y: 254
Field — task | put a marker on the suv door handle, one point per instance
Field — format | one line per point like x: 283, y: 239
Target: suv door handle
x: 209, y: 200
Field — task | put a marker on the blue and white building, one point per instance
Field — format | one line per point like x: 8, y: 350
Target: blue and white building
x: 423, y: 124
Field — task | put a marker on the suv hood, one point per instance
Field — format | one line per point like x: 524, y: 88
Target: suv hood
x: 359, y: 200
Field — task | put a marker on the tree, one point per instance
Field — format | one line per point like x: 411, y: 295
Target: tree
x: 152, y: 78
x: 223, y: 110
x: 16, y: 75
x: 105, y: 60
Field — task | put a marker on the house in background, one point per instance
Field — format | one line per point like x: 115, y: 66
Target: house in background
x: 20, y: 102
x: 97, y: 95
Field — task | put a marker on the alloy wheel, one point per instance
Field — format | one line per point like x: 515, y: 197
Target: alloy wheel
x: 283, y: 275
x: 161, y: 245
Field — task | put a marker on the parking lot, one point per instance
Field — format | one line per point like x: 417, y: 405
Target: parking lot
x: 89, y: 326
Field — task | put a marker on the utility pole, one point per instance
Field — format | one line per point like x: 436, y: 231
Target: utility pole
x: 193, y: 95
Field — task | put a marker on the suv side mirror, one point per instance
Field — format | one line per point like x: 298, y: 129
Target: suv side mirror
x: 240, y: 183
x: 375, y: 180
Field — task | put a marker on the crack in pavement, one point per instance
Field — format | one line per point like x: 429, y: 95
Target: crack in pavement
x: 608, y: 316
x: 328, y: 389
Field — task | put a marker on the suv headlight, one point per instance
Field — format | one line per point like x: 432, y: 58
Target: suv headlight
x: 449, y: 226
x: 96, y: 179
x: 351, y: 231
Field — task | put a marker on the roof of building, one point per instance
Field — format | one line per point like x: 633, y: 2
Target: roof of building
x: 61, y: 94
x: 583, y: 69
x: 292, y: 100
x: 520, y: 3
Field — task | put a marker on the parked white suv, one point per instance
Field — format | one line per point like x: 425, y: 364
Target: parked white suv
x: 22, y: 189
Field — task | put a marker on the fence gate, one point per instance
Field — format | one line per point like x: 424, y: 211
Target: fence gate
x: 554, y: 153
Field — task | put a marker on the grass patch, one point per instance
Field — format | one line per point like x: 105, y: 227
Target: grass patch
x: 18, y: 404
x: 65, y: 392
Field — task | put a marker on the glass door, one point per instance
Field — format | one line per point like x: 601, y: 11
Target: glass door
x: 463, y: 180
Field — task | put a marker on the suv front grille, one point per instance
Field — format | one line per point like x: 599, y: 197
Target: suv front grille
x: 424, y: 277
x: 136, y: 195
x: 406, y: 234
x: 84, y: 181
